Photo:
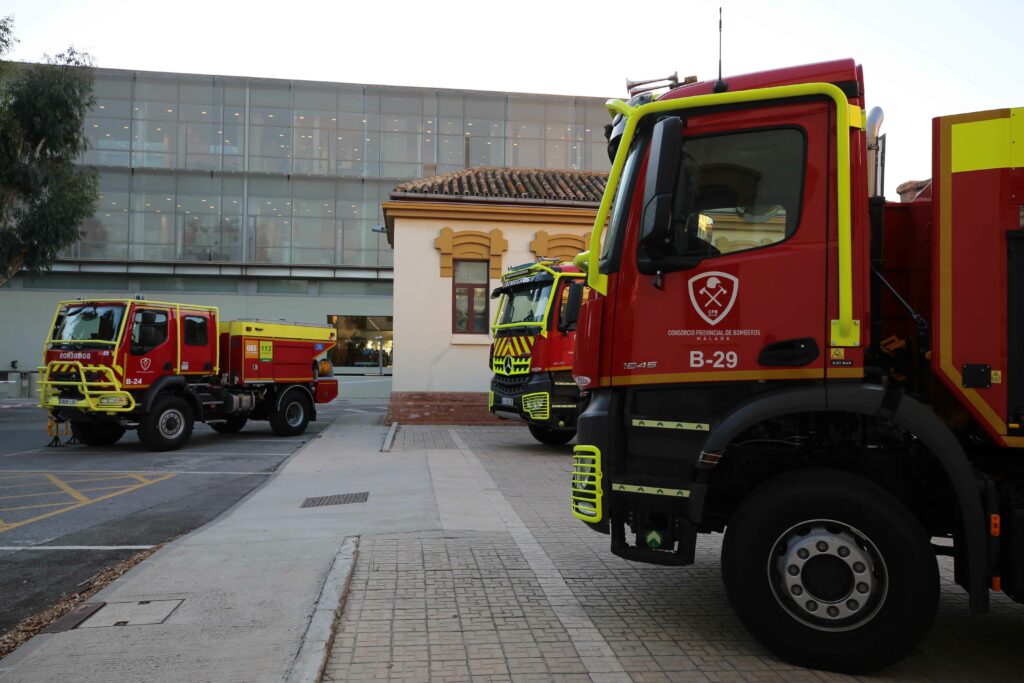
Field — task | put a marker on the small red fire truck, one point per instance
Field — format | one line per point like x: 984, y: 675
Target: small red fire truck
x: 112, y: 365
x: 775, y: 352
x: 531, y: 356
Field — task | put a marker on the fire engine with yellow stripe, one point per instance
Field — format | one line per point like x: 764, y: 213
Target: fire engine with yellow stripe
x: 110, y: 365
x: 775, y: 352
x: 531, y: 356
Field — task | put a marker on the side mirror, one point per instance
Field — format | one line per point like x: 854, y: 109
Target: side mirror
x: 573, y: 302
x: 660, y: 185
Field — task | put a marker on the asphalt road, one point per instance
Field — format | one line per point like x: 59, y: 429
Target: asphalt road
x: 66, y: 513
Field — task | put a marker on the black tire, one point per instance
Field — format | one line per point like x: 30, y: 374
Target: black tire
x: 168, y: 425
x: 97, y: 433
x: 884, y: 591
x: 292, y: 416
x: 552, y: 437
x: 231, y: 425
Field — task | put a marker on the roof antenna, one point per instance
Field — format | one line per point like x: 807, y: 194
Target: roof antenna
x: 720, y: 85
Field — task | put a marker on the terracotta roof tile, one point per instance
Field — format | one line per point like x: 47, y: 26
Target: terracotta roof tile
x: 516, y: 184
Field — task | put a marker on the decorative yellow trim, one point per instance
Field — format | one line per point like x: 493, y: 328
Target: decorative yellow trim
x: 586, y: 483
x: 562, y: 246
x: 980, y: 145
x: 537, y: 405
x: 471, y: 245
x: 844, y: 332
x: 726, y: 376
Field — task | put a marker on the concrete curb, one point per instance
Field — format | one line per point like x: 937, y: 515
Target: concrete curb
x: 308, y: 665
x: 389, y: 440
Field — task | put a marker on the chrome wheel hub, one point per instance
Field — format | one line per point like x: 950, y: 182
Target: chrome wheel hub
x: 171, y: 424
x: 827, y: 575
x: 293, y: 414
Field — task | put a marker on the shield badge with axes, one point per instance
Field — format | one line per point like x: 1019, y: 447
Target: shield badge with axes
x: 713, y: 295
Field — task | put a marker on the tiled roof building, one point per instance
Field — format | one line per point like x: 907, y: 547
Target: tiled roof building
x: 513, y: 185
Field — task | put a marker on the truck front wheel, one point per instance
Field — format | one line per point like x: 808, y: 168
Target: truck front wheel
x: 551, y: 437
x: 828, y: 570
x: 168, y: 425
x: 291, y: 417
x: 96, y: 433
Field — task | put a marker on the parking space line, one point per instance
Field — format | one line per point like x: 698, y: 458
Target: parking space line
x: 126, y: 472
x: 67, y: 489
x: 81, y: 500
x: 74, y: 547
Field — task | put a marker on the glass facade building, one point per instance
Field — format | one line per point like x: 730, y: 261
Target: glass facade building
x: 223, y: 170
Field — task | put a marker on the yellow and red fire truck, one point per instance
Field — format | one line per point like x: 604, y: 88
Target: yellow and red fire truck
x: 115, y: 364
x: 531, y: 356
x: 774, y: 351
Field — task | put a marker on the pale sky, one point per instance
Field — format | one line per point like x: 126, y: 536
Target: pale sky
x: 921, y: 59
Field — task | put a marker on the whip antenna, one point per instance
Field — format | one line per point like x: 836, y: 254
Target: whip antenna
x: 720, y: 85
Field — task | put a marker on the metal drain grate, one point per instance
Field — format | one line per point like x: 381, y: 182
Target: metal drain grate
x: 76, y: 616
x: 340, y: 499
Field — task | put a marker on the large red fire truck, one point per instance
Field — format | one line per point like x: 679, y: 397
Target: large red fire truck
x: 775, y: 352
x: 531, y: 356
x: 112, y: 365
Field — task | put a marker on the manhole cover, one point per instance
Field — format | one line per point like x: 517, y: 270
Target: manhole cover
x: 339, y: 499
x: 131, y: 613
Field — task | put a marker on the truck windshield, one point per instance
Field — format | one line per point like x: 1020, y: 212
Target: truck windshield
x: 620, y: 206
x: 88, y: 323
x: 525, y: 304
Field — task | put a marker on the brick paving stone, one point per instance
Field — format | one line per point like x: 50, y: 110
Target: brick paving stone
x: 466, y: 605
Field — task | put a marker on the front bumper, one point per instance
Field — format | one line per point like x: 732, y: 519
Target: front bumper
x: 70, y: 386
x: 542, y: 398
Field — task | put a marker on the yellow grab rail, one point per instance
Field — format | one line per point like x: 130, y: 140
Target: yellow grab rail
x: 846, y: 330
x: 94, y: 392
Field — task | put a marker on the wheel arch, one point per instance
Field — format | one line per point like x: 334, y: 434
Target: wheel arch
x: 166, y: 384
x: 905, y: 412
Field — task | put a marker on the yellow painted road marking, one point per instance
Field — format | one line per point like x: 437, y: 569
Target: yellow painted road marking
x: 67, y: 489
x: 62, y: 486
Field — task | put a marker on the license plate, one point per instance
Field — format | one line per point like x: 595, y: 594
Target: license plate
x: 506, y: 401
x: 68, y: 401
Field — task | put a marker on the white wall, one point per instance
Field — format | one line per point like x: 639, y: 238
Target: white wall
x: 428, y: 357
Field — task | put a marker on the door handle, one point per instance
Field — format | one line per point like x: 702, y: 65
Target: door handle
x: 789, y: 353
x: 168, y: 366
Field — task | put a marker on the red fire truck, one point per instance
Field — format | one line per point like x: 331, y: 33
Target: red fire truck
x: 112, y: 365
x: 775, y: 352
x: 531, y: 356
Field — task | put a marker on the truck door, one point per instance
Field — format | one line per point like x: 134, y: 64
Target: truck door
x: 198, y: 337
x: 738, y: 294
x: 153, y: 350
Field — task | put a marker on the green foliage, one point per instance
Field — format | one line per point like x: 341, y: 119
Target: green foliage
x: 44, y: 195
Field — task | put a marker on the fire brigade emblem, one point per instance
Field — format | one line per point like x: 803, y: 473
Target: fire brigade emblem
x: 145, y: 363
x: 713, y: 295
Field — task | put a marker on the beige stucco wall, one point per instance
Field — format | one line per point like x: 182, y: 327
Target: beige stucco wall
x: 428, y: 357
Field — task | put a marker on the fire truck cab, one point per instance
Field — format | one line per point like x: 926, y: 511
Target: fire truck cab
x: 774, y: 352
x: 534, y: 334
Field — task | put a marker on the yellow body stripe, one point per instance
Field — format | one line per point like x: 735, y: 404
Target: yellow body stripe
x: 987, y: 144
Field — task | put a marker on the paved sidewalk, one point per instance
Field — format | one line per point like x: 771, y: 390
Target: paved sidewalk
x: 248, y: 582
x: 511, y: 587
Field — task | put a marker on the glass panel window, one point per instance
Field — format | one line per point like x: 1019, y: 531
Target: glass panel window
x: 736, y: 192
x: 196, y: 330
x: 365, y: 344
x: 470, y: 298
x: 149, y: 330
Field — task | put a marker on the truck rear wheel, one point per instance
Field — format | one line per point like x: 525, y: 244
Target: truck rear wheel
x: 551, y: 437
x: 292, y: 416
x: 168, y: 425
x: 828, y: 570
x: 96, y: 433
x: 231, y: 425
